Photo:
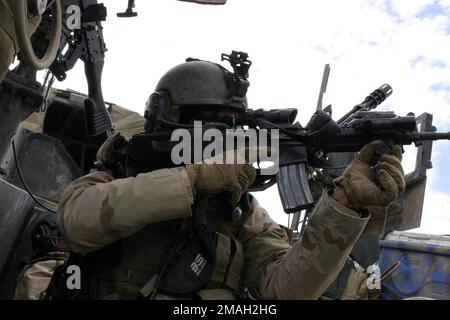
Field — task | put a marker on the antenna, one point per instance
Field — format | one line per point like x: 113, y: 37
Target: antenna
x: 323, y: 86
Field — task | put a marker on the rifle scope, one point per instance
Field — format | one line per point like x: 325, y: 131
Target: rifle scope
x: 287, y: 115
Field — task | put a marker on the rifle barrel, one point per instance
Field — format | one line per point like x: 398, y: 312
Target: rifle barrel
x: 427, y: 136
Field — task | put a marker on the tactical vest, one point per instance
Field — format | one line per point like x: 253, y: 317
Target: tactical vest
x: 133, y: 268
x: 126, y: 268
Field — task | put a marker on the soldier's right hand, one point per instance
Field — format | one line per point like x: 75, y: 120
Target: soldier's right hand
x: 209, y: 179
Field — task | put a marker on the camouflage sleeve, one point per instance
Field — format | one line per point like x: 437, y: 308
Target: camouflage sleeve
x: 96, y: 210
x: 275, y: 270
x: 379, y: 218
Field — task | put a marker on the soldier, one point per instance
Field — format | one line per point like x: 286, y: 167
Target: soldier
x: 154, y: 236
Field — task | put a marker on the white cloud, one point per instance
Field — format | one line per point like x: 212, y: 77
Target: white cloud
x: 435, y: 217
x: 289, y: 41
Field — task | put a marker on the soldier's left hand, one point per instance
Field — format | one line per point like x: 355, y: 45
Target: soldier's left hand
x: 358, y: 182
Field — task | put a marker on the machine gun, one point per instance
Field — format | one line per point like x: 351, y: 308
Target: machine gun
x: 300, y: 148
x: 86, y: 43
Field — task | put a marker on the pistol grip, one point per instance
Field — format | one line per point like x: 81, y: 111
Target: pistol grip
x: 97, y: 117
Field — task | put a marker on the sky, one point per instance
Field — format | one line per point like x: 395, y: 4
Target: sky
x: 367, y: 42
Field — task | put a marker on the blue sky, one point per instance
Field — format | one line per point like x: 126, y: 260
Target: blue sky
x: 441, y: 166
x: 427, y: 10
x: 405, y: 43
x: 431, y: 10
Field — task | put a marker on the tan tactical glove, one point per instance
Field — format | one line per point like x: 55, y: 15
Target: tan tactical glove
x: 110, y: 151
x: 210, y: 179
x: 358, y: 183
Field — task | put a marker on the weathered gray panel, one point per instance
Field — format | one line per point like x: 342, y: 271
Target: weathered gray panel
x: 15, y: 207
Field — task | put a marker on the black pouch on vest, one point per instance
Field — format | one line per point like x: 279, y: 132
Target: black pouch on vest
x: 192, y: 265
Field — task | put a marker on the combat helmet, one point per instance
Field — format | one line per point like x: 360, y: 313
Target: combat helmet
x: 198, y: 84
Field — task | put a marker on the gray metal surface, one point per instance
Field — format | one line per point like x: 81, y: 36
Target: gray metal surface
x: 15, y: 209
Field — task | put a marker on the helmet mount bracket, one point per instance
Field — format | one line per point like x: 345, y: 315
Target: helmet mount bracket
x: 238, y: 81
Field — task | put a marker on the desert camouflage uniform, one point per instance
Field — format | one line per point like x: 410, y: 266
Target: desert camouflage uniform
x: 97, y: 210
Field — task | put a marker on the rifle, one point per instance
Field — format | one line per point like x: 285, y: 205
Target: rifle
x: 301, y: 149
x: 305, y: 148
